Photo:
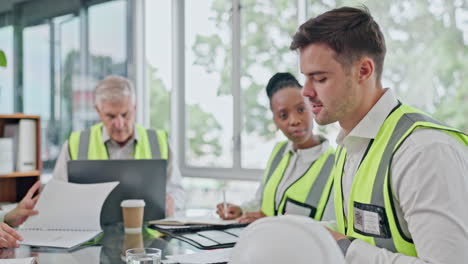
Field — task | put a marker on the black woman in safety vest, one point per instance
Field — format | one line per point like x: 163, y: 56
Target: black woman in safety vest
x: 297, y: 179
x: 400, y: 176
x: 117, y: 136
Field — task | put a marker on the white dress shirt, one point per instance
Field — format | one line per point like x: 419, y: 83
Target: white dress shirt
x: 430, y: 190
x: 298, y: 165
x: 174, y: 178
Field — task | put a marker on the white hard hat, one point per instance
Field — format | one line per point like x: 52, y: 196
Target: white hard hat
x: 286, y: 239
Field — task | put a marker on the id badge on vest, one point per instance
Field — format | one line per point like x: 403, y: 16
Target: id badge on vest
x: 294, y: 207
x: 370, y: 220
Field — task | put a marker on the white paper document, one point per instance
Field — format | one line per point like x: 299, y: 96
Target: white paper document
x: 69, y: 214
x: 17, y: 261
x: 202, y: 257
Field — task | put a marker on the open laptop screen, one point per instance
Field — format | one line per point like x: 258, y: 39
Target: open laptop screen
x: 139, y: 179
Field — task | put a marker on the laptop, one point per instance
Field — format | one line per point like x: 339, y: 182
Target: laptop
x: 139, y: 179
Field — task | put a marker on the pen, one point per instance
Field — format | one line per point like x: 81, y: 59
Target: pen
x: 224, y: 203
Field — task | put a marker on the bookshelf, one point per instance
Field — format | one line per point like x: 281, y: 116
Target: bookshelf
x: 14, y: 185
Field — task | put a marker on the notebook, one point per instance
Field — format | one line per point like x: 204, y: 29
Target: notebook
x: 204, y: 236
x: 68, y: 215
x: 192, y: 224
x: 210, y: 239
x: 192, y: 221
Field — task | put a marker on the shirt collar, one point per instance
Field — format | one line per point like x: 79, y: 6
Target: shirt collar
x: 309, y: 152
x: 106, y: 137
x: 370, y: 125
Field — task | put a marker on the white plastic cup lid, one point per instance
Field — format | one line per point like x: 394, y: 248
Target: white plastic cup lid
x: 132, y: 203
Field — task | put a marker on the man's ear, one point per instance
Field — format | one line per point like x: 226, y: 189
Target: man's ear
x: 366, y: 69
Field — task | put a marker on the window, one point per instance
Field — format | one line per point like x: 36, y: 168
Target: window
x: 229, y: 57
x: 426, y: 45
x: 107, y: 49
x: 158, y: 37
x: 6, y: 74
x: 203, y: 194
x: 266, y: 27
x: 37, y: 83
x: 209, y: 101
x: 227, y: 111
x: 68, y: 99
x: 60, y: 70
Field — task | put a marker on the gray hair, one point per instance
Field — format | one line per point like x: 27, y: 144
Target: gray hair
x: 113, y: 88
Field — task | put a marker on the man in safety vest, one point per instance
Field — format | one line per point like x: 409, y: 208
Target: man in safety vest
x: 401, y: 177
x: 118, y: 137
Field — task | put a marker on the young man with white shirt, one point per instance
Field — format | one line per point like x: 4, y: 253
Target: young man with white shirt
x: 401, y: 182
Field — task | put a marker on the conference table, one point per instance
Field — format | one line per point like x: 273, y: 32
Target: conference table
x: 107, y: 249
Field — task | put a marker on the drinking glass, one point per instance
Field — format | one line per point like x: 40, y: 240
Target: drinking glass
x: 143, y: 256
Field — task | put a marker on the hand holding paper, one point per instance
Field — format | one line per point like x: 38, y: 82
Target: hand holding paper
x: 70, y: 214
x: 25, y: 208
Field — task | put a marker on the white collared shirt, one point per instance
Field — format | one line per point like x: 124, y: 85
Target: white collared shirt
x: 174, y: 178
x: 430, y: 190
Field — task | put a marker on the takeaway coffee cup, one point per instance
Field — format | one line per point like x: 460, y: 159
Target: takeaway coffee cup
x: 132, y: 211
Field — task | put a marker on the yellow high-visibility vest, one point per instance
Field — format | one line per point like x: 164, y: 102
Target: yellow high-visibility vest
x: 308, y: 195
x: 88, y: 144
x: 370, y: 209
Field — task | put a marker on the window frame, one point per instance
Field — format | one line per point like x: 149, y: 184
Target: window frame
x: 178, y: 120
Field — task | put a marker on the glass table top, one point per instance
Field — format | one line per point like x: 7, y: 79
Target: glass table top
x: 109, y: 248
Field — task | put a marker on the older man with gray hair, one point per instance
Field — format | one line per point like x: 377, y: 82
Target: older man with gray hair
x: 117, y: 135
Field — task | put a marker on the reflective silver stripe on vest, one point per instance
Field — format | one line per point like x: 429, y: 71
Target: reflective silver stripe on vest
x: 315, y: 193
x: 83, y: 146
x: 275, y: 162
x: 405, y: 122
x: 154, y: 144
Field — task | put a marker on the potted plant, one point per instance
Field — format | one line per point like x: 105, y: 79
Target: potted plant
x: 3, y: 62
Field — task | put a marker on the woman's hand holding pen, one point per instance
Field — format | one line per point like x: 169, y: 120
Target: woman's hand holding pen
x: 232, y: 211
